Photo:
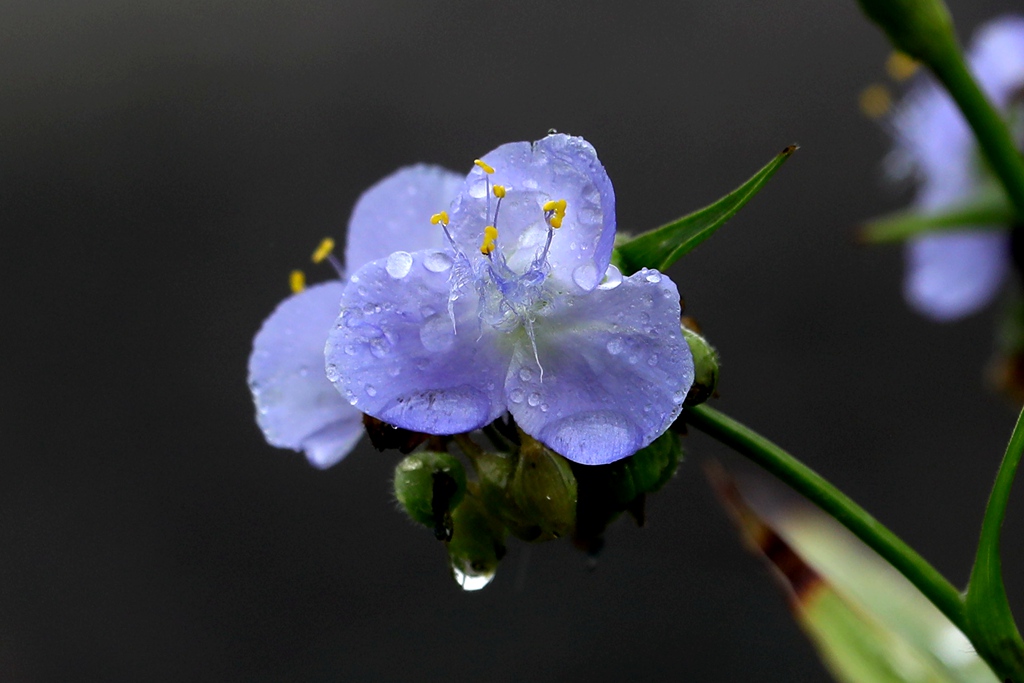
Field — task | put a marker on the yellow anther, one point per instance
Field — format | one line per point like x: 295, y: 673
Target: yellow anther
x: 560, y: 206
x: 901, y: 66
x: 499, y: 191
x: 484, y: 165
x: 556, y: 221
x: 441, y: 217
x: 324, y: 250
x: 490, y: 236
x: 875, y: 101
x: 550, y: 205
x: 297, y: 280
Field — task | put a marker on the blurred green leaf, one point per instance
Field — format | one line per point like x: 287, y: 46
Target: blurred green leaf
x: 989, y: 210
x: 868, y: 623
x: 661, y: 247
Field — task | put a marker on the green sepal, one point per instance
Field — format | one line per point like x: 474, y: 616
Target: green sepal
x: 544, y: 490
x: 987, y: 211
x: 661, y: 247
x: 705, y: 368
x: 429, y: 485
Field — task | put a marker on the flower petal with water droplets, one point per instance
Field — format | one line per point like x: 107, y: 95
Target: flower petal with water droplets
x: 556, y: 167
x: 296, y: 406
x: 394, y: 352
x: 395, y: 214
x: 616, y: 370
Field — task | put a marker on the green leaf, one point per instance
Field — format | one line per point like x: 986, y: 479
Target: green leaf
x: 868, y: 623
x: 989, y: 210
x: 661, y: 247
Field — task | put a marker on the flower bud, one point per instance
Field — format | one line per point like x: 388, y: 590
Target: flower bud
x: 543, y: 489
x: 477, y: 545
x: 429, y: 485
x: 705, y: 368
x: 921, y: 28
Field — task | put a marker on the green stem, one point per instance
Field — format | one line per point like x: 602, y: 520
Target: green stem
x: 989, y: 127
x: 988, y: 611
x: 819, y: 491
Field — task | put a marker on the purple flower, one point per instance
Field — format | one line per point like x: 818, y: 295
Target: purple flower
x: 520, y: 312
x: 952, y: 275
x: 296, y: 406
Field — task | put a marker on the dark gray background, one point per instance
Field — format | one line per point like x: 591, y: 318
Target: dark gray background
x: 163, y: 165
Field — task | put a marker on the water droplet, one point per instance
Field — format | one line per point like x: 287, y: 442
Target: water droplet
x: 653, y: 277
x: 653, y: 360
x: 612, y: 278
x: 585, y: 276
x: 350, y: 349
x: 399, y: 264
x: 615, y: 346
x: 371, y: 390
x: 526, y: 374
x: 471, y: 582
x: 437, y: 262
x: 436, y: 334
x: 645, y: 318
x: 516, y: 395
x: 394, y: 371
x: 379, y: 347
x: 633, y: 360
x: 368, y: 309
x: 647, y: 408
x: 361, y: 290
x: 534, y: 399
x: 543, y: 407
x: 678, y: 397
x: 351, y: 397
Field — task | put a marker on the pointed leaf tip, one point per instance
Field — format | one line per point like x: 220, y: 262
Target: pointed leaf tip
x: 661, y: 247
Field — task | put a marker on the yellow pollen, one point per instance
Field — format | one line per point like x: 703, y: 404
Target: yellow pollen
x: 297, y: 280
x: 556, y: 221
x: 484, y: 165
x: 551, y: 205
x: 901, y: 66
x: 441, y: 217
x: 499, y: 191
x: 324, y: 250
x: 560, y: 206
x: 490, y: 236
x: 875, y: 101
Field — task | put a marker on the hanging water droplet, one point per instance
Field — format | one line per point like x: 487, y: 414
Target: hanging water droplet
x: 585, y: 276
x: 612, y: 278
x: 437, y: 262
x: 534, y: 399
x: 471, y: 582
x: 615, y: 346
x: 399, y: 264
x: 516, y: 395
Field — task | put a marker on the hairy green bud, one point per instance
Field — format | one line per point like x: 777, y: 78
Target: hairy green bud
x: 429, y: 485
x: 543, y: 489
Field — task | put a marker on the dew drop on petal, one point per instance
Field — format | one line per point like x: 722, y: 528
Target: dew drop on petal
x: 526, y: 374
x: 394, y: 371
x: 436, y: 333
x: 543, y: 407
x: 371, y: 390
x: 379, y: 347
x: 615, y: 346
x: 653, y: 360
x: 399, y: 264
x: 534, y: 399
x: 585, y: 276
x: 437, y: 262
x: 612, y: 278
x: 516, y: 395
x: 653, y: 277
x: 677, y: 397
